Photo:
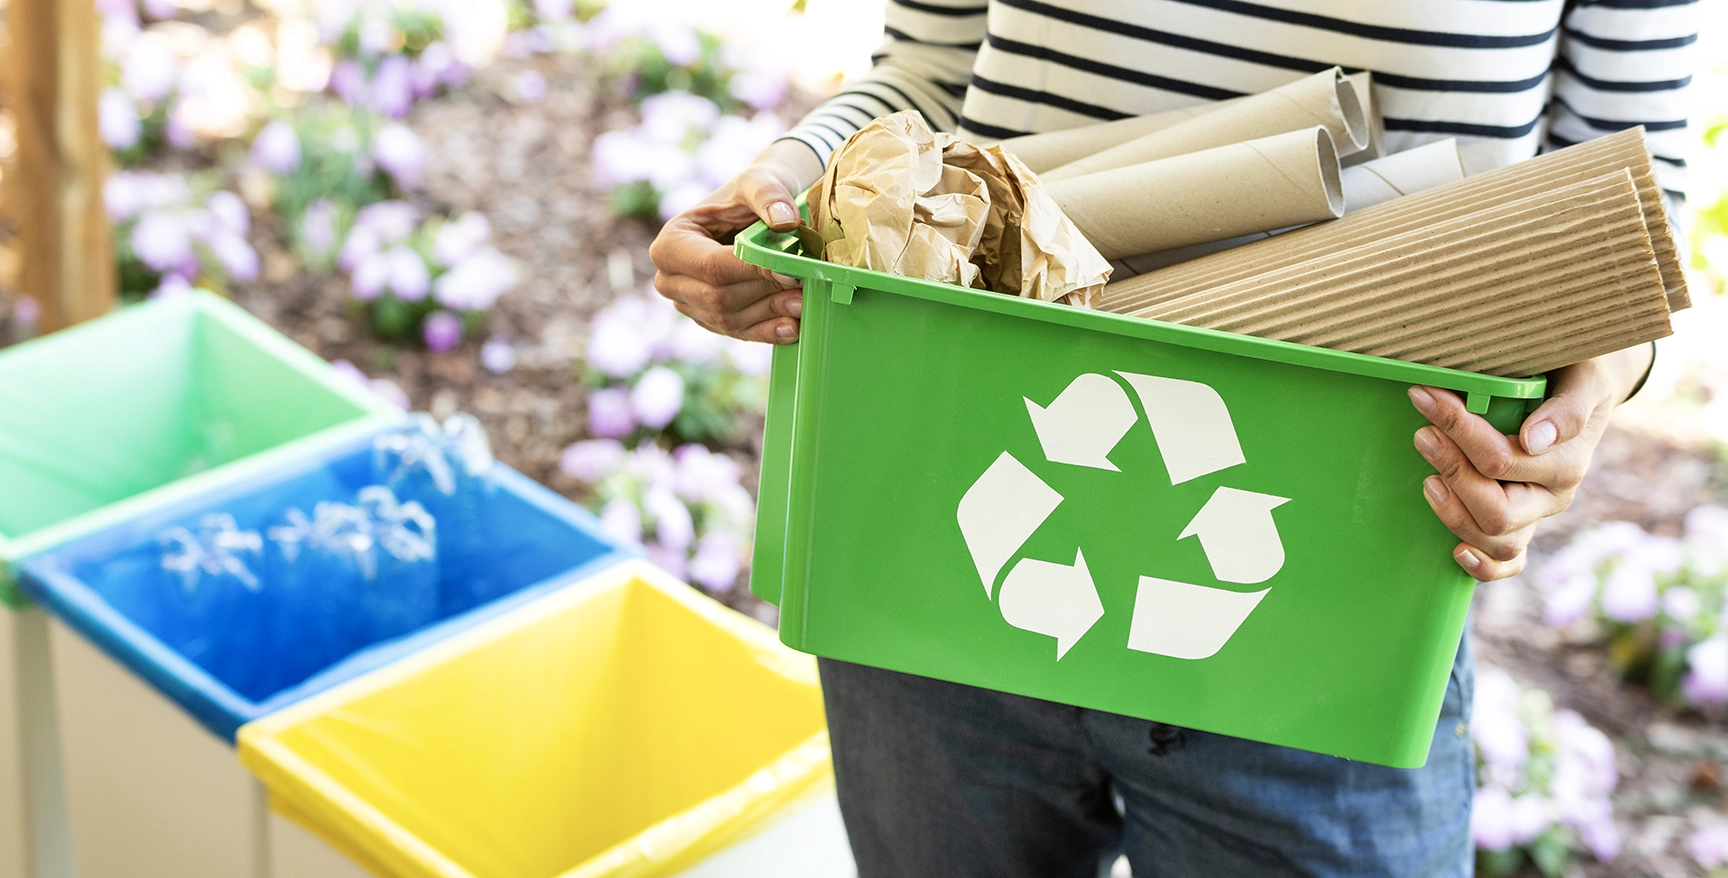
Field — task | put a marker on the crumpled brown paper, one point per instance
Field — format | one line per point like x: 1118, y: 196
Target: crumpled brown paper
x: 902, y: 199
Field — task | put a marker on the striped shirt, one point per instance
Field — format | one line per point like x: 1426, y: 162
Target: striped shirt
x: 1506, y: 77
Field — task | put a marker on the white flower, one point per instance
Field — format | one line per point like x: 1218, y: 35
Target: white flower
x: 592, y: 459
x: 460, y: 237
x: 616, y: 349
x: 162, y: 241
x: 408, y: 275
x: 277, y: 148
x: 150, y: 68
x: 229, y: 212
x: 476, y: 282
x: 657, y: 398
x: 673, y: 526
x: 717, y: 561
x: 239, y: 260
x: 1630, y: 593
x: 622, y: 521
x: 1681, y: 603
x: 401, y: 153
x: 117, y: 119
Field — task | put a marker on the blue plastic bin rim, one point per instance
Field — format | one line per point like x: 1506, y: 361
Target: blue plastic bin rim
x: 47, y: 579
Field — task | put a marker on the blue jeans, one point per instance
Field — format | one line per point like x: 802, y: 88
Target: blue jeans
x: 940, y: 780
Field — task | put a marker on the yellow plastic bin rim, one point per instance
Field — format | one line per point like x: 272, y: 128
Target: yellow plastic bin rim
x: 299, y: 790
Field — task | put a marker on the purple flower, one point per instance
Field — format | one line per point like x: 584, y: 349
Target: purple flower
x: 1707, y: 680
x: 1709, y: 846
x: 498, y: 356
x: 408, y: 275
x: 620, y: 157
x: 670, y: 116
x: 476, y: 282
x: 173, y: 286
x: 677, y: 42
x: 318, y: 228
x: 401, y: 153
x: 442, y: 331
x: 276, y: 148
x: 432, y: 68
x: 616, y: 349
x: 658, y: 397
x: 391, y: 221
x: 352, y: 372
x: 117, y: 119
x: 760, y: 89
x: 530, y: 86
x: 162, y: 241
x: 229, y: 212
x: 370, y: 277
x: 1630, y: 593
x: 1531, y: 816
x: 1491, y: 819
x: 702, y: 475
x: 673, y: 526
x: 179, y: 134
x: 348, y: 81
x: 592, y: 459
x: 666, y: 558
x: 748, y: 357
x: 122, y: 195
x: 393, y: 87
x: 622, y: 521
x: 239, y: 260
x: 609, y: 413
x: 1681, y: 603
x: 1601, y: 836
x: 717, y: 562
x: 547, y: 11
x: 150, y: 68
x: 1571, y: 600
x: 459, y: 238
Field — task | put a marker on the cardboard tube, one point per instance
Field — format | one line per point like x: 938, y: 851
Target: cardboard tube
x: 1363, y: 84
x: 1052, y: 149
x: 1326, y: 99
x: 1623, y: 150
x: 1270, y: 183
x: 1365, y: 185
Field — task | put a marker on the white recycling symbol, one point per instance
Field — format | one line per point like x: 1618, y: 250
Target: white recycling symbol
x: 1192, y: 428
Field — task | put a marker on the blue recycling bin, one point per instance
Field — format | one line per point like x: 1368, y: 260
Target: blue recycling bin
x: 228, y: 651
x: 231, y: 603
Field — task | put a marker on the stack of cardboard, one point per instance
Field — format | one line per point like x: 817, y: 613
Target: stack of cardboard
x: 1513, y: 272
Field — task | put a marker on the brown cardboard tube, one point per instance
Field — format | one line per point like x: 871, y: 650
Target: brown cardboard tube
x: 1326, y: 99
x: 1052, y: 149
x: 1365, y: 185
x: 1363, y: 83
x: 1544, y: 173
x: 1284, y: 180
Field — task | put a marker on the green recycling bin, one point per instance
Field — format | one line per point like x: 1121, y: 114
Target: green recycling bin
x: 1193, y: 527
x: 102, y: 422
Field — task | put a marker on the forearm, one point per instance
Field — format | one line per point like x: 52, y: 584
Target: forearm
x: 1625, y: 369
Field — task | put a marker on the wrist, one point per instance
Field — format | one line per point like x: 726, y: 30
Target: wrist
x: 792, y: 162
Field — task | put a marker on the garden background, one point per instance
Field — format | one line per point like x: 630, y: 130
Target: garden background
x: 453, y: 202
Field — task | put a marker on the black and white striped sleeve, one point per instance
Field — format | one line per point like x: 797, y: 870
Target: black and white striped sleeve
x: 924, y: 64
x: 1623, y: 63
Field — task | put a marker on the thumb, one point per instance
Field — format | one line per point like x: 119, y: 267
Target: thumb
x: 1578, y: 391
x: 768, y: 199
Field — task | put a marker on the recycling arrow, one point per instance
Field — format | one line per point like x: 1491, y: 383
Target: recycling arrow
x: 1052, y: 599
x: 1004, y: 507
x: 1081, y: 427
x: 1238, y: 534
x: 1191, y: 424
x: 1084, y: 423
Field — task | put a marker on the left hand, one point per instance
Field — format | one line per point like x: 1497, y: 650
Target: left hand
x: 1492, y: 489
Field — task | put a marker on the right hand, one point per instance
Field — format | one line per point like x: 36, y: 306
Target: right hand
x: 695, y: 266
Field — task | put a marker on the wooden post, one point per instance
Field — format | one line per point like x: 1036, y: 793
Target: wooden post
x: 56, y: 186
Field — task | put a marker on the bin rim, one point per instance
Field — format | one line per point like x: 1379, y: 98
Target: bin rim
x: 295, y: 783
x: 758, y: 245
x: 375, y: 413
x: 46, y: 578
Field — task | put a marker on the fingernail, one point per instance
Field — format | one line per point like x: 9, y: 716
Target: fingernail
x: 787, y: 282
x: 1469, y: 560
x: 786, y: 330
x: 1426, y: 443
x: 1541, y: 437
x: 795, y: 307
x: 1436, y: 490
x: 1423, y: 399
x: 781, y: 213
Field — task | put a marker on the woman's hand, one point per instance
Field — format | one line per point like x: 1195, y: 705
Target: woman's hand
x: 1492, y: 489
x: 695, y: 265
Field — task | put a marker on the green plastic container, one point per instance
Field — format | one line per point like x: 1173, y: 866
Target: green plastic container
x: 154, y: 402
x: 1193, y: 527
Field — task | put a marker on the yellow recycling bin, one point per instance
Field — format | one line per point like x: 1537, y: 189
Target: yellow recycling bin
x: 624, y: 726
